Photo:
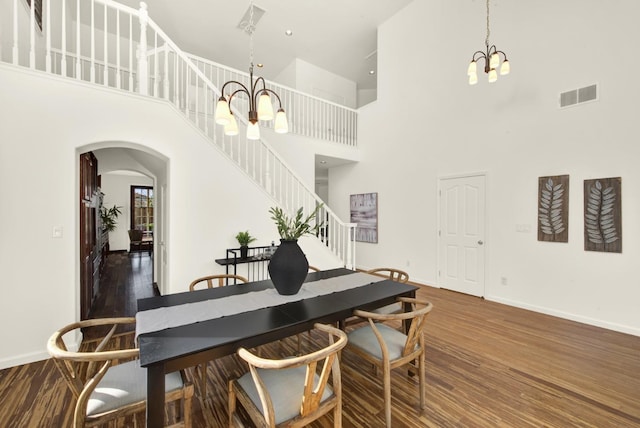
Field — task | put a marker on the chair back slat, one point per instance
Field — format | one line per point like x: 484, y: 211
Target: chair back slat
x: 209, y: 279
x: 391, y: 273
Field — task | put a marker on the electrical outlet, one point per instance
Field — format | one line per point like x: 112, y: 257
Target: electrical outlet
x: 408, y: 263
x: 503, y: 280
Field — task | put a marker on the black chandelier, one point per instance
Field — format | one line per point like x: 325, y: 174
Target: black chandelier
x: 260, y: 107
x: 491, y: 60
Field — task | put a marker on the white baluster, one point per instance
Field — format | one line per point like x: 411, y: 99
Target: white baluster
x: 15, y: 52
x: 156, y: 75
x: 131, y: 53
x: 63, y: 31
x: 118, y: 63
x: 105, y: 71
x: 32, y: 35
x: 47, y: 13
x: 141, y: 55
x: 165, y: 89
x: 92, y: 68
x: 78, y: 44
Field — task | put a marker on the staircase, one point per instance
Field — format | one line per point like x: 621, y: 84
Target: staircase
x: 109, y: 44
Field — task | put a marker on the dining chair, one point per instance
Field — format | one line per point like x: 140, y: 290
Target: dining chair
x: 290, y: 392
x: 222, y: 279
x: 394, y: 308
x: 135, y: 239
x: 388, y: 348
x: 104, y: 386
x: 313, y: 269
x: 212, y: 281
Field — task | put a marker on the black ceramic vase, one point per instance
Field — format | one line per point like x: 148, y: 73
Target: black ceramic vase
x: 288, y: 267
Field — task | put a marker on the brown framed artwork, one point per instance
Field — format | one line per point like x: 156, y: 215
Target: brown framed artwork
x: 603, y: 215
x: 364, y: 212
x: 553, y: 208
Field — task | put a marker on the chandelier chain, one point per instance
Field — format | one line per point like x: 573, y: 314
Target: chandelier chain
x: 249, y: 29
x: 486, y: 41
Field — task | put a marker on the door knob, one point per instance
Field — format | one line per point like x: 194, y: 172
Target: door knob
x: 480, y: 242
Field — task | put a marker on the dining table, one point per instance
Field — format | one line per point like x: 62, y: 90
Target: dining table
x: 182, y: 330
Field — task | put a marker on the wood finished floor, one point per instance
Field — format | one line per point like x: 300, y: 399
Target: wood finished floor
x: 488, y: 365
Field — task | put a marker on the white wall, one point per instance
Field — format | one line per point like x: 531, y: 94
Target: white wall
x: 311, y: 79
x: 514, y: 131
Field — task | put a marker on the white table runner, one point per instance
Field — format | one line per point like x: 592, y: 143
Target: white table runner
x: 189, y: 313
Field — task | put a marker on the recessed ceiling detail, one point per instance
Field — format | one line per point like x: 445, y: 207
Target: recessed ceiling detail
x: 246, y: 19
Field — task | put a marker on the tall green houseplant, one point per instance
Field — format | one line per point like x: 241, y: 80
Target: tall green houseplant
x: 292, y: 228
x: 109, y: 217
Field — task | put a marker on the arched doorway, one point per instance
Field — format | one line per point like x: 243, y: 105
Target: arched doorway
x: 107, y: 172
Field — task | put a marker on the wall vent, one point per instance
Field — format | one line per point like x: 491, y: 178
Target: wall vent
x: 578, y: 96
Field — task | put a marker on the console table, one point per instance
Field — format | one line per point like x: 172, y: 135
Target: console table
x: 255, y: 264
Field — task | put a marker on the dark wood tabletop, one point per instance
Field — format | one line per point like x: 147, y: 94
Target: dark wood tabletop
x: 185, y: 346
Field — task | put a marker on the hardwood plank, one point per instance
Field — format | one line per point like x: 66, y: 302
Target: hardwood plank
x: 488, y: 365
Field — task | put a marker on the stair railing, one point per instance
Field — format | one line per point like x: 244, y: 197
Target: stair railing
x: 119, y: 47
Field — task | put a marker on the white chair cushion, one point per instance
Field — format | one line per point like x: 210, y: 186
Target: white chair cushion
x: 365, y: 339
x: 394, y: 308
x: 285, y: 387
x: 125, y: 384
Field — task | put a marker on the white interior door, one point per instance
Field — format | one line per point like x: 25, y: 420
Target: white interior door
x: 461, y: 234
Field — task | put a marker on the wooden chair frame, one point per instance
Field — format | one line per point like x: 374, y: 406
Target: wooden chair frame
x: 413, y: 348
x: 311, y: 408
x: 391, y: 273
x: 83, y: 372
x: 221, y: 280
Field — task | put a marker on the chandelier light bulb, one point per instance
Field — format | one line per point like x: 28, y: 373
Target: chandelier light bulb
x: 281, y: 125
x: 265, y: 109
x: 493, y: 75
x: 253, y: 131
x: 223, y: 114
x: 505, y: 68
x: 473, y: 79
x: 494, y: 61
x: 472, y: 68
x: 231, y: 128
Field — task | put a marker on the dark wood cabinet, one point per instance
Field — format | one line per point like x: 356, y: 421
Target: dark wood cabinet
x: 93, y: 242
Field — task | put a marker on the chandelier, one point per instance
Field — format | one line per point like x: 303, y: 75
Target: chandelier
x: 491, y: 60
x: 260, y: 107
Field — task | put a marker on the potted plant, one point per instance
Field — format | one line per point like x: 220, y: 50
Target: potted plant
x: 109, y: 217
x: 244, y: 239
x: 289, y: 266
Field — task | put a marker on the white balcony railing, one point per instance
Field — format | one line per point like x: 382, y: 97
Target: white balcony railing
x: 113, y: 45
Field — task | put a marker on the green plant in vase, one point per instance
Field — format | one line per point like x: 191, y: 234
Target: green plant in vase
x: 292, y: 228
x: 288, y: 266
x: 109, y: 217
x: 244, y: 239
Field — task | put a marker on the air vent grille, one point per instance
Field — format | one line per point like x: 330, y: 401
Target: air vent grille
x: 578, y: 96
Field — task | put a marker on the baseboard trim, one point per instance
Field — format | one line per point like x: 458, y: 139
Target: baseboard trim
x: 567, y: 315
x: 19, y: 360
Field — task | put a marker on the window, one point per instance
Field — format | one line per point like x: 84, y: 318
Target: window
x: 142, y: 209
x: 37, y: 12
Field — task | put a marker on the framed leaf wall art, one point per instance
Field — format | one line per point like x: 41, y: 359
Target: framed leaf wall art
x: 364, y: 212
x: 553, y: 208
x: 603, y: 215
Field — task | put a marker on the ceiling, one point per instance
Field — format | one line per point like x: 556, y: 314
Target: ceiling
x: 337, y: 35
